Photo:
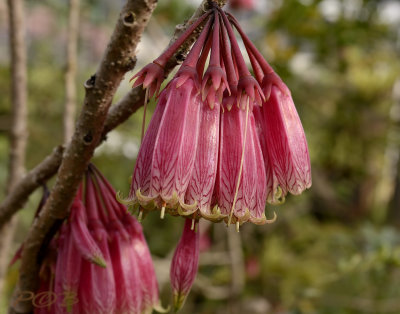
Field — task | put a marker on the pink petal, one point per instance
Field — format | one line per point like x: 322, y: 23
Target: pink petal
x: 97, y: 288
x: 126, y: 274
x: 184, y: 264
x: 230, y: 154
x: 286, y: 143
x: 257, y: 212
x: 142, y: 174
x: 67, y: 274
x: 271, y: 181
x: 149, y: 285
x: 202, y: 183
x: 82, y: 237
x: 175, y: 146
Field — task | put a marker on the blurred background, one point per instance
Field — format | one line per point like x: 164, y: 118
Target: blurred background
x: 335, y: 248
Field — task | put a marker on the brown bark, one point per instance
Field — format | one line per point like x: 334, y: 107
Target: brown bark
x: 18, y: 132
x: 70, y: 74
x: 100, y: 89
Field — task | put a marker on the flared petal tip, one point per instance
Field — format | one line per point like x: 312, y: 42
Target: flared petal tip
x: 215, y: 216
x: 125, y: 201
x: 263, y: 220
x: 235, y: 219
x: 147, y: 202
x: 187, y: 209
x: 99, y: 260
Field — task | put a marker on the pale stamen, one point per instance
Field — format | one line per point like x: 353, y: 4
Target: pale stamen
x: 163, y: 211
x: 140, y: 216
x: 241, y: 163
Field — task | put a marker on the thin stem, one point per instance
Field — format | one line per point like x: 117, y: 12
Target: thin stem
x: 228, y: 62
x: 194, y: 53
x: 169, y: 52
x: 241, y: 64
x: 250, y: 47
x: 203, y: 57
x: 258, y: 72
x: 215, y: 52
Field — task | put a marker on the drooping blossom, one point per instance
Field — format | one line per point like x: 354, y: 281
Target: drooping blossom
x: 101, y: 262
x: 221, y: 141
x: 184, y: 264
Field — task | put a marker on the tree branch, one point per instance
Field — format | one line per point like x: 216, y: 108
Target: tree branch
x: 100, y: 89
x: 18, y: 132
x: 29, y: 183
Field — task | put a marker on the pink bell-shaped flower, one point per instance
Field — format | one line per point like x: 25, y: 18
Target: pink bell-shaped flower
x: 101, y: 260
x: 286, y: 144
x: 185, y: 263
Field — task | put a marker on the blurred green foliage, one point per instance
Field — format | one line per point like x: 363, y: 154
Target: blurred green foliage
x: 335, y: 249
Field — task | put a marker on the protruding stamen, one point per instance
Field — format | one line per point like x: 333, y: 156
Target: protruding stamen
x: 192, y: 227
x: 237, y: 226
x: 241, y: 163
x: 163, y: 211
x: 140, y: 216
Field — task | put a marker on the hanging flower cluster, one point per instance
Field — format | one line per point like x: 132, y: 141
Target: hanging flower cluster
x: 221, y: 142
x: 99, y: 262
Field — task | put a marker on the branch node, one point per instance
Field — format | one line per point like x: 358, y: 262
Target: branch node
x: 90, y: 82
x: 129, y: 19
x: 88, y: 138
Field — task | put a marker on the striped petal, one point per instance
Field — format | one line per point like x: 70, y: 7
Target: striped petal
x: 126, y: 274
x: 67, y: 275
x: 142, y: 174
x: 230, y: 155
x: 286, y: 143
x: 175, y: 145
x: 184, y: 264
x: 82, y: 236
x: 257, y: 209
x: 271, y: 181
x: 149, y: 285
x: 97, y: 288
x: 202, y: 183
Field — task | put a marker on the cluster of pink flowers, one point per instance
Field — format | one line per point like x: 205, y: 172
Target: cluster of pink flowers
x: 99, y: 262
x: 221, y: 142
